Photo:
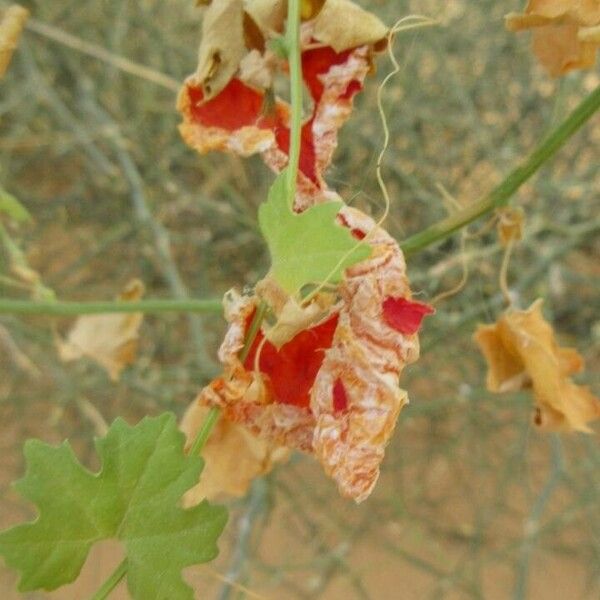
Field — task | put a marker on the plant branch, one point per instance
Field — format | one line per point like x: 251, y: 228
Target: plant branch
x: 253, y: 330
x: 502, y: 193
x: 66, y: 309
x: 205, y: 430
x: 100, y: 53
x: 295, y: 64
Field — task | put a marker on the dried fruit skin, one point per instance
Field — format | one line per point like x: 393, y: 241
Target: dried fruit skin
x: 240, y: 120
x: 342, y: 25
x: 242, y: 394
x: 228, y: 103
x: 354, y: 397
x: 367, y: 356
x: 222, y: 46
x: 566, y: 32
x: 521, y: 352
x: 324, y: 378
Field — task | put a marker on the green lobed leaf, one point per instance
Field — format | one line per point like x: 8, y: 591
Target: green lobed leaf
x: 309, y: 247
x: 10, y: 206
x: 135, y: 498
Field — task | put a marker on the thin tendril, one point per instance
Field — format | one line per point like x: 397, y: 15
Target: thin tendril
x: 465, y: 273
x: 403, y: 24
x: 453, y: 204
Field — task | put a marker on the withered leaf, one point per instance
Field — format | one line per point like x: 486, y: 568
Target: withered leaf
x: 342, y: 25
x: 269, y: 15
x: 111, y: 339
x: 233, y: 457
x: 590, y: 34
x: 222, y: 46
x: 522, y: 352
x: 255, y: 70
x: 565, y: 32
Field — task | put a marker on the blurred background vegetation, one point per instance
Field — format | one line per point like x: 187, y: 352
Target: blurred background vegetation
x: 473, y: 502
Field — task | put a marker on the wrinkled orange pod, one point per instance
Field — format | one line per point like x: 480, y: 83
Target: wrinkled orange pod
x: 332, y: 390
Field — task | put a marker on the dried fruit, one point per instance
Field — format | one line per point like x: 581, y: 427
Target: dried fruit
x: 566, y: 32
x: 235, y: 110
x: 521, y: 352
x: 222, y: 46
x: 323, y: 378
x: 332, y: 389
x: 342, y: 25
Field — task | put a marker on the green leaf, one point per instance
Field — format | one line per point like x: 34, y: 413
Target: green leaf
x: 309, y: 247
x: 12, y: 207
x: 135, y: 497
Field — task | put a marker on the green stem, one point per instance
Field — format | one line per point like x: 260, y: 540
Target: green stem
x: 205, y: 430
x: 502, y: 193
x: 253, y: 330
x: 295, y: 64
x: 111, y: 583
x: 65, y: 309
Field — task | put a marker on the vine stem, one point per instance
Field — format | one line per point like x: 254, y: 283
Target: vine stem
x: 66, y: 309
x: 500, y: 195
x: 205, y: 430
x: 292, y: 35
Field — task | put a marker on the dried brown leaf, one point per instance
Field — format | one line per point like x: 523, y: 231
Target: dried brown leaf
x: 589, y: 34
x: 565, y: 36
x: 522, y: 352
x: 111, y: 340
x: 233, y: 457
x: 342, y: 25
x: 222, y: 47
x: 269, y: 15
x: 309, y: 9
